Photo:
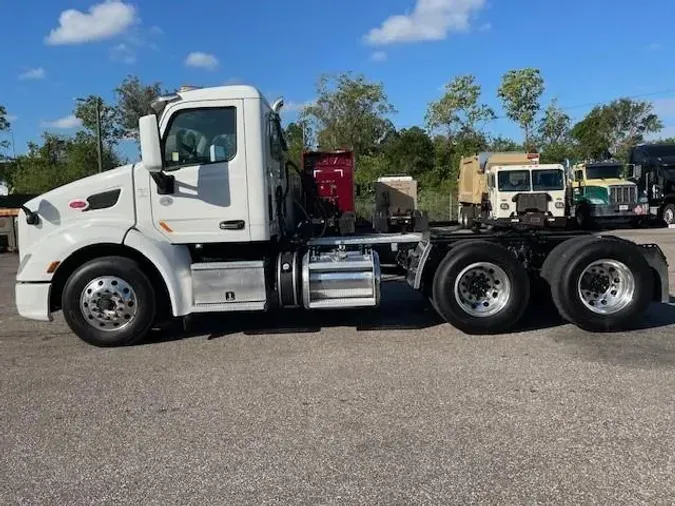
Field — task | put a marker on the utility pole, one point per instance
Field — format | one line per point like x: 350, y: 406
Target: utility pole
x: 99, y: 140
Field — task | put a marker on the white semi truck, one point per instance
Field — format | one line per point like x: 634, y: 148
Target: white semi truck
x: 209, y: 221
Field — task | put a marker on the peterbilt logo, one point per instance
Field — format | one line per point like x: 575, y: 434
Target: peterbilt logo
x: 78, y: 205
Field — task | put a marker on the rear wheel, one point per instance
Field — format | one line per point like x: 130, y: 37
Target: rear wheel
x: 602, y: 285
x: 109, y: 301
x: 481, y: 288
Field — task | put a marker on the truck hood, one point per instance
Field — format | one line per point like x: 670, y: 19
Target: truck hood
x: 81, y: 188
x: 608, y: 182
x: 106, y: 198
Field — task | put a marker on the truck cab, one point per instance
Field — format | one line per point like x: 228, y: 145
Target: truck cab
x: 527, y: 194
x: 654, y: 171
x: 602, y: 193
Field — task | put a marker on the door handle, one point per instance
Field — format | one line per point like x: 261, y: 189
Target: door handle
x: 232, y: 225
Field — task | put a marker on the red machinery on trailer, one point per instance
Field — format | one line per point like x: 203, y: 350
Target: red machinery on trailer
x: 330, y: 174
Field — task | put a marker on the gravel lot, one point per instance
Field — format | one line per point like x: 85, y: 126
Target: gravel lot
x: 359, y: 408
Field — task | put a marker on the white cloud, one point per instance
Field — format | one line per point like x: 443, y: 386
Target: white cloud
x: 33, y: 74
x: 103, y: 21
x: 11, y: 117
x: 201, y: 60
x: 429, y: 20
x: 66, y: 122
x: 123, y: 53
x: 379, y: 56
x: 665, y: 107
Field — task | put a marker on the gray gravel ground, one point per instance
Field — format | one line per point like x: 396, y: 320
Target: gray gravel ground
x: 366, y: 408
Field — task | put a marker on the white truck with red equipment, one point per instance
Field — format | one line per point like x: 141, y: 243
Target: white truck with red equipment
x: 211, y: 221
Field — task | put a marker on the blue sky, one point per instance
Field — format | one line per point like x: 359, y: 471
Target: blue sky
x: 589, y: 51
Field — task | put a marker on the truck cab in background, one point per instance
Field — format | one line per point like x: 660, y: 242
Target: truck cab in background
x: 654, y: 171
x: 603, y: 194
x: 532, y: 195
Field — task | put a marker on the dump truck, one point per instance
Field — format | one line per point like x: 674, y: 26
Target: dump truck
x: 396, y: 205
x: 529, y: 195
x: 206, y: 227
x: 474, y: 197
x: 603, y: 194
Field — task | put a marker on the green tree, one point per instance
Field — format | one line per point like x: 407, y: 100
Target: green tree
x: 349, y: 113
x: 459, y: 110
x: 4, y: 127
x: 409, y: 151
x: 553, y: 135
x: 520, y: 92
x: 111, y: 133
x: 611, y: 130
x: 58, y: 160
x: 298, y: 136
x: 134, y: 100
x: 501, y: 144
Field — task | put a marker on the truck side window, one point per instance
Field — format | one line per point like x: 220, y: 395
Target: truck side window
x: 201, y: 136
x: 578, y: 175
x: 276, y: 139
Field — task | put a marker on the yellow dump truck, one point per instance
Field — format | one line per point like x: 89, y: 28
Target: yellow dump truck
x: 472, y: 181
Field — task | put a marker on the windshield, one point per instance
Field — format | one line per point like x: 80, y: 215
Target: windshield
x: 604, y: 172
x: 513, y: 181
x: 548, y: 179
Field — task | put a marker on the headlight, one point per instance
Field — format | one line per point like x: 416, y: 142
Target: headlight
x: 597, y: 202
x: 504, y: 207
x: 560, y: 205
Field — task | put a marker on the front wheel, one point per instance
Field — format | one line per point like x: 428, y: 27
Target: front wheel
x: 481, y: 288
x: 109, y: 301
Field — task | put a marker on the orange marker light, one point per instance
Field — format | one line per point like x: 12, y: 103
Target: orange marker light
x: 166, y: 227
x: 52, y: 267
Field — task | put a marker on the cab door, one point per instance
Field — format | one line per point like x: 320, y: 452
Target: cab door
x: 203, y: 149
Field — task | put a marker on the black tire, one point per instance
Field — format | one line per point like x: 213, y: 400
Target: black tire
x: 552, y: 264
x: 571, y: 264
x: 668, y: 214
x: 126, y: 270
x: 459, y: 258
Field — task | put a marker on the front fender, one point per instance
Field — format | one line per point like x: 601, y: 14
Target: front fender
x: 62, y: 242
x: 172, y: 261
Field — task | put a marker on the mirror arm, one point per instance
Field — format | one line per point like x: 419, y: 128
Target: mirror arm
x: 165, y: 183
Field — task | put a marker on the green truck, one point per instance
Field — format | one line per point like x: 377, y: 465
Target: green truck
x: 603, y: 194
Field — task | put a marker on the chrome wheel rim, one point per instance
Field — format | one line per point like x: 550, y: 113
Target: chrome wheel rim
x: 108, y: 303
x: 669, y: 216
x: 606, y: 286
x: 482, y: 289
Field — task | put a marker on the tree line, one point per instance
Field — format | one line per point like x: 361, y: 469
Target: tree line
x: 351, y: 112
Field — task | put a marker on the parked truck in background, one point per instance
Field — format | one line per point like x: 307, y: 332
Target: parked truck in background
x: 654, y: 172
x: 396, y: 206
x: 604, y: 195
x: 511, y: 188
x: 531, y: 194
x: 208, y: 227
